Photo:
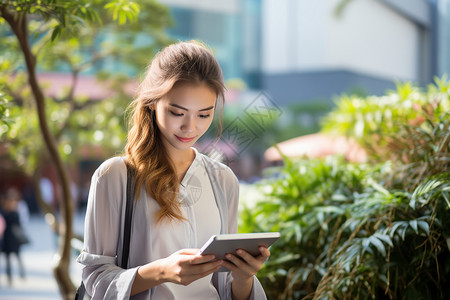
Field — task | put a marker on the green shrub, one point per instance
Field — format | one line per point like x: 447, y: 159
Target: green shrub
x: 365, y: 231
x: 377, y: 122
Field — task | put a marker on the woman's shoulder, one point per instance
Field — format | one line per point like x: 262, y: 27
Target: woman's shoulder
x: 217, y: 168
x: 114, y: 166
x: 213, y: 164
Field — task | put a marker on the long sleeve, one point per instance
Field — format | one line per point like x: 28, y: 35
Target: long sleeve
x: 102, y: 277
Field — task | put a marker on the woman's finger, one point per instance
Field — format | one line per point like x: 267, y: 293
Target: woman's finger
x: 188, y: 251
x: 248, y: 258
x: 265, y: 253
x: 255, y: 262
x: 195, y: 269
x: 241, y: 265
x: 244, y: 265
x: 194, y: 257
x: 201, y: 259
x: 188, y: 279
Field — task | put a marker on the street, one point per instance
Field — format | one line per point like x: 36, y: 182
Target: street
x: 37, y: 257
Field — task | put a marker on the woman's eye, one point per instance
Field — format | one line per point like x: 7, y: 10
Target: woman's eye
x: 204, y: 116
x: 175, y: 114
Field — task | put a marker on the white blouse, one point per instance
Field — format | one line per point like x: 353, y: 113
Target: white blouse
x: 198, y: 205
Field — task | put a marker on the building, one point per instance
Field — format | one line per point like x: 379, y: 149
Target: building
x: 301, y: 50
x: 231, y: 28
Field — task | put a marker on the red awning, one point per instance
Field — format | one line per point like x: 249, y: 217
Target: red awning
x: 56, y: 85
x: 317, y: 145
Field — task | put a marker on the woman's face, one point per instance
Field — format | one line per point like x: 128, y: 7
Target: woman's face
x: 184, y: 115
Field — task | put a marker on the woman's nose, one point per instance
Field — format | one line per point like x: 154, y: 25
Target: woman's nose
x: 188, y: 124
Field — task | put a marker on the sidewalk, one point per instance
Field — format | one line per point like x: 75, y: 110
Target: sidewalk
x: 39, y: 283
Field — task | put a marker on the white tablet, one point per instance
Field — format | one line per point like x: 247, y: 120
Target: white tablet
x: 221, y: 244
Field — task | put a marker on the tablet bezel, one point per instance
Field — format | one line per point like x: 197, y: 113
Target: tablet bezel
x: 221, y: 244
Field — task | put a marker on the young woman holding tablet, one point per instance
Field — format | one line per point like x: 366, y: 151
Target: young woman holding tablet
x: 182, y: 197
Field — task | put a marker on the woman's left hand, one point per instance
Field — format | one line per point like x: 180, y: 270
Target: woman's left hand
x: 244, y: 265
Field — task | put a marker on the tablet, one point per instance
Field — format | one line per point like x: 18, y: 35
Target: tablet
x: 221, y: 244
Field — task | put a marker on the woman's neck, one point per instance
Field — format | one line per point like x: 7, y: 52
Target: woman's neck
x: 182, y: 161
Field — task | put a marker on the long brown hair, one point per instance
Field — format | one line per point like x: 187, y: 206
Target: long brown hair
x: 189, y: 62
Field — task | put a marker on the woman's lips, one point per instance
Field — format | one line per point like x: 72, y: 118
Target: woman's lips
x: 184, y: 140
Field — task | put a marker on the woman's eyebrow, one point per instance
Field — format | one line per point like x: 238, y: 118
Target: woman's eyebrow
x: 184, y: 108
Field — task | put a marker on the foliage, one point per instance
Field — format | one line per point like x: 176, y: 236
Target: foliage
x: 365, y: 231
x: 420, y: 151
x: 376, y: 121
x: 347, y: 237
x: 93, y: 124
x: 47, y: 33
x: 5, y: 120
x: 77, y: 38
x: 299, y: 118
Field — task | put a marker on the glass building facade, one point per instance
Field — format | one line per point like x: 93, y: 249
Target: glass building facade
x: 443, y: 37
x: 234, y: 36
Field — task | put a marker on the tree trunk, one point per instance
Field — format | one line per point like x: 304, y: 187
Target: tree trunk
x: 18, y: 23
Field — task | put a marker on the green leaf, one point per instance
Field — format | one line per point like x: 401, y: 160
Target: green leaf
x: 378, y: 244
x: 378, y: 187
x: 446, y: 197
x: 56, y: 32
x: 122, y: 17
x: 424, y: 226
x: 339, y: 197
x: 413, y: 224
x: 298, y: 234
x: 285, y: 258
x: 330, y: 209
x: 366, y: 245
x: 384, y: 238
x: 412, y: 203
x: 428, y: 186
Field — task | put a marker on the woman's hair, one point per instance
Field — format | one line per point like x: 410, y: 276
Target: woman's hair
x: 187, y: 62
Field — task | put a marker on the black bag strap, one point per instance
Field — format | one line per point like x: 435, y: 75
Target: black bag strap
x: 128, y: 218
x: 81, y: 290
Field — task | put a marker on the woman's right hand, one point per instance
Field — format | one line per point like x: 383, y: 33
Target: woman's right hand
x: 182, y: 267
x: 187, y: 265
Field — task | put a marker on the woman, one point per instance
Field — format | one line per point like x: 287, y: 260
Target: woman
x: 182, y: 197
x: 13, y: 236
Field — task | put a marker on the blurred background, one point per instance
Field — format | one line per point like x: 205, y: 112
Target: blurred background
x: 286, y: 65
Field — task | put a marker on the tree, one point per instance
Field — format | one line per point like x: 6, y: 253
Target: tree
x: 48, y: 33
